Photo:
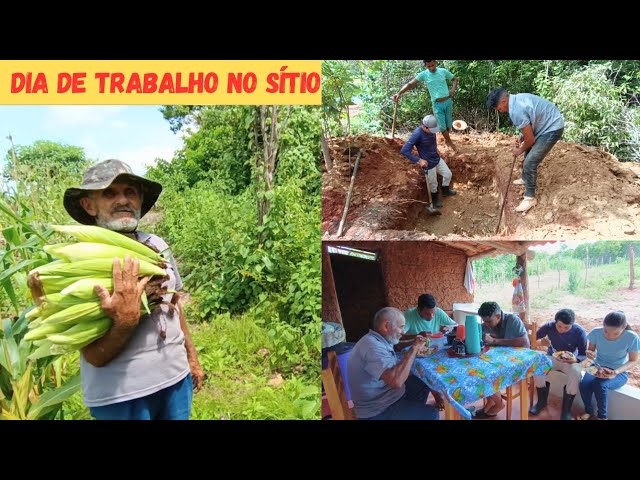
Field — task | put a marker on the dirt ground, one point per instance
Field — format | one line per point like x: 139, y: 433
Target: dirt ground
x: 582, y: 192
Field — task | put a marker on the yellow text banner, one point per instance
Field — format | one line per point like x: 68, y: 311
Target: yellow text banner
x: 153, y: 82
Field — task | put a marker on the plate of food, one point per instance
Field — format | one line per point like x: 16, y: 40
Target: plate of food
x: 426, y: 351
x: 598, y: 371
x: 564, y: 355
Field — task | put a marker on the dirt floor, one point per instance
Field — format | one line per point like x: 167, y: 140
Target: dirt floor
x: 582, y: 192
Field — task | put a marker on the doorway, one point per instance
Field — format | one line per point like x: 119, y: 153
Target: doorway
x: 360, y: 289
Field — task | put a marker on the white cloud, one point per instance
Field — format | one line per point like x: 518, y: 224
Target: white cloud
x: 139, y: 159
x: 62, y: 116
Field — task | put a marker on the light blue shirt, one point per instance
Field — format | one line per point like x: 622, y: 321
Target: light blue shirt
x: 613, y: 353
x: 436, y: 82
x: 528, y: 109
x: 370, y: 357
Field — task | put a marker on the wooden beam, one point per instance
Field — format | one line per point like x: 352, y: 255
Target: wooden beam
x: 524, y: 280
x: 516, y: 248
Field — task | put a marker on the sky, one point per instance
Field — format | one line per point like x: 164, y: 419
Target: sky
x: 554, y: 247
x: 135, y: 134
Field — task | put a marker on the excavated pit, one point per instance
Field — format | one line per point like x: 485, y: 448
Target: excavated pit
x: 582, y: 192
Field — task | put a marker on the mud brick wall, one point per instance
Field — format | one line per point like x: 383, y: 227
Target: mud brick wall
x: 330, y: 307
x: 410, y: 269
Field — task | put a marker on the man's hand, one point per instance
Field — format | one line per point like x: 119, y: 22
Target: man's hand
x: 517, y: 151
x: 197, y: 374
x: 452, y: 91
x: 418, y: 343
x: 488, y: 339
x: 423, y: 163
x: 591, y: 354
x: 123, y: 306
x: 396, y: 97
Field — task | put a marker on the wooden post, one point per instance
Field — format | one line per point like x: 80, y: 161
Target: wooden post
x: 631, y: 272
x: 524, y: 280
x: 346, y: 205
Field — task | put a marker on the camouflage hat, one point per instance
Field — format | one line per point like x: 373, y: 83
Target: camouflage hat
x: 99, y: 177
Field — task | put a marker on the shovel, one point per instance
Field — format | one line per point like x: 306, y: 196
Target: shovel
x: 430, y: 208
x: 395, y: 114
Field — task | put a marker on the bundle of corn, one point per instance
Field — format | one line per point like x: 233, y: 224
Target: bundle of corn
x: 67, y: 315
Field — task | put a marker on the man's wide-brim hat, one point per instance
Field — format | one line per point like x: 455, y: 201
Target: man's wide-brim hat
x: 99, y: 177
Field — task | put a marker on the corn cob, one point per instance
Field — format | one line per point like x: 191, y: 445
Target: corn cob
x: 68, y: 315
x: 98, y: 267
x: 90, y: 233
x: 76, y: 252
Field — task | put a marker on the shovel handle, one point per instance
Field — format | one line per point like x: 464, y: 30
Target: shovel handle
x: 395, y: 114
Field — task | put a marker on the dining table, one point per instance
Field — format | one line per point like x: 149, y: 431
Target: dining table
x: 463, y: 380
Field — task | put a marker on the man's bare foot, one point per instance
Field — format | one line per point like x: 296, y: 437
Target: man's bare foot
x: 584, y: 416
x: 439, y: 401
x: 495, y: 408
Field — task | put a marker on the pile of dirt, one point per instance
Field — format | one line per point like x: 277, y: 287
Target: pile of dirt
x: 582, y: 192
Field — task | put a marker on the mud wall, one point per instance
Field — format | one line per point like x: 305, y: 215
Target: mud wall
x: 410, y: 269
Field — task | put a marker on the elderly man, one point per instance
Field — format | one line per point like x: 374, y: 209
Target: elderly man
x: 381, y: 385
x: 504, y: 329
x: 435, y: 78
x: 145, y: 367
x: 570, y: 338
x: 541, y: 125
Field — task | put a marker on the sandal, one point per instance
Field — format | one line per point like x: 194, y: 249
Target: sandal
x: 481, y: 414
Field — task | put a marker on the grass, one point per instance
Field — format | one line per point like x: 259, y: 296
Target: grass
x: 237, y: 354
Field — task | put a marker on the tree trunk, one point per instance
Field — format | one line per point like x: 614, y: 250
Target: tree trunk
x: 328, y: 163
x: 631, y: 272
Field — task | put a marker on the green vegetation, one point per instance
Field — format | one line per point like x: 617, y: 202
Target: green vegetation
x: 598, y: 98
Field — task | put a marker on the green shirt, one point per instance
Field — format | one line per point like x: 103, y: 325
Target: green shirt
x: 436, y: 82
x: 416, y: 324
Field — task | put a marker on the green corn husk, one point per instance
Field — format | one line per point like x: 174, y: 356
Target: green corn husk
x: 100, y: 267
x: 90, y: 233
x: 83, y: 312
x: 57, y: 283
x: 43, y: 330
x: 77, y: 252
x: 85, y: 287
x: 82, y: 333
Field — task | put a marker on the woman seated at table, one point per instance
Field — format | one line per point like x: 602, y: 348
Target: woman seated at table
x: 503, y: 329
x: 615, y: 348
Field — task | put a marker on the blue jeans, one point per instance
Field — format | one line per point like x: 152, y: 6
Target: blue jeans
x: 533, y: 158
x: 599, y: 387
x: 412, y: 404
x: 171, y: 403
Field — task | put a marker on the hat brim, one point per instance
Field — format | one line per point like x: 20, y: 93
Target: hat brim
x: 150, y: 192
x: 460, y: 125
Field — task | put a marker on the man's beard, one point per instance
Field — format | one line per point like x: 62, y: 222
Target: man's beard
x: 120, y: 224
x: 392, y: 339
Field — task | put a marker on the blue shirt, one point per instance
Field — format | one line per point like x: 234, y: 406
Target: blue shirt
x: 613, y: 353
x: 510, y: 327
x: 436, y: 82
x: 573, y: 340
x: 425, y: 142
x: 370, y: 357
x: 528, y: 109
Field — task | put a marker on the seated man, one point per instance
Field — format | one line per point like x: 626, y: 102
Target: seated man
x: 500, y: 329
x: 425, y: 319
x: 565, y: 336
x: 381, y: 385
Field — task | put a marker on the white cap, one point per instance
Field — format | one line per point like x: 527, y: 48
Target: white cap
x: 431, y: 123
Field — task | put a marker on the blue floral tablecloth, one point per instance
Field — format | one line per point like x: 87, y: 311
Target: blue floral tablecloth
x: 466, y: 380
